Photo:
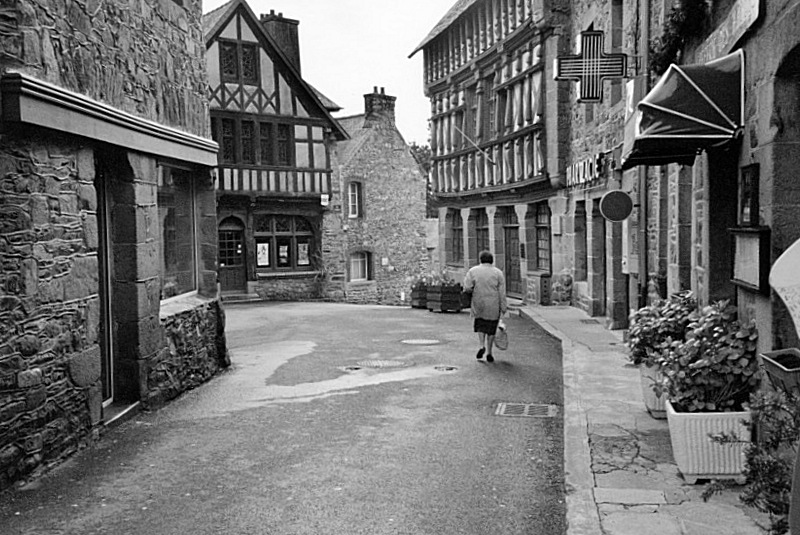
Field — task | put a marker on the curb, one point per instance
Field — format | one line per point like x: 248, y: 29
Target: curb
x: 582, y: 513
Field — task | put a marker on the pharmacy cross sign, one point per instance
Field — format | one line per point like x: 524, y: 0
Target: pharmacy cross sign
x: 590, y: 67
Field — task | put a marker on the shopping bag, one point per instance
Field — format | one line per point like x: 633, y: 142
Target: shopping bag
x: 466, y: 298
x: 501, y: 336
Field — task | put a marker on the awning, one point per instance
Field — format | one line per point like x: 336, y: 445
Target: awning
x: 692, y: 108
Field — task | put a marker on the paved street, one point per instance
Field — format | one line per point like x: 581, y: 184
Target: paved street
x: 334, y: 419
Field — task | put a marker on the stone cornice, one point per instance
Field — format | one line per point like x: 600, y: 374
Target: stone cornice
x: 31, y: 101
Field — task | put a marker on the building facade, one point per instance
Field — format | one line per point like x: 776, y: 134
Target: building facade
x: 108, y: 238
x: 716, y: 226
x: 279, y: 236
x: 498, y: 138
x: 384, y: 209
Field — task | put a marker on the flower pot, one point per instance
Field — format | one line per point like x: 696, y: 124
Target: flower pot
x: 419, y: 296
x: 697, y: 456
x: 655, y: 405
x: 783, y: 368
x: 444, y: 298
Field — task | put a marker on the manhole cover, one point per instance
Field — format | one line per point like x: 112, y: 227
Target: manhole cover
x: 351, y: 368
x: 590, y: 322
x: 421, y: 342
x: 526, y: 410
x: 445, y: 368
x: 383, y: 364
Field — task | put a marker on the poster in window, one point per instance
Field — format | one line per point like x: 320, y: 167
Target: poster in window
x: 751, y: 258
x: 302, y: 254
x: 262, y: 254
x: 748, y: 196
x: 283, y: 255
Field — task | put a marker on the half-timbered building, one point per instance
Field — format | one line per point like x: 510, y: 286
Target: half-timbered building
x: 275, y: 187
x: 497, y: 138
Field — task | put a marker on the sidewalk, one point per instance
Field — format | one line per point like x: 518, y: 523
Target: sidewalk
x: 620, y: 475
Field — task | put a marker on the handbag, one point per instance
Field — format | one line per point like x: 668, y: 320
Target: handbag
x: 466, y: 298
x: 501, y: 336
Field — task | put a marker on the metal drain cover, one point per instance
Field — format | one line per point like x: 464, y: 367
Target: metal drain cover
x: 383, y: 364
x: 421, y: 342
x: 526, y: 410
x: 445, y: 368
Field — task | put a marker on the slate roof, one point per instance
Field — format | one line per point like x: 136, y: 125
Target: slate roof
x: 449, y: 18
x: 354, y: 126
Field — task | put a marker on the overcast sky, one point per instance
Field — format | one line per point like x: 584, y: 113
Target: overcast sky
x: 349, y: 46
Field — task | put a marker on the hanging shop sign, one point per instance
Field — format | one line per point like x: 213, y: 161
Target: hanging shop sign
x: 616, y: 206
x: 590, y: 67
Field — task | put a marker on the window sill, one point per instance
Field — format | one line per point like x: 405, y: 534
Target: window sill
x: 182, y: 303
x: 287, y: 274
x: 362, y: 284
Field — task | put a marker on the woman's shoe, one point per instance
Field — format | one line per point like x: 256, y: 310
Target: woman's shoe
x: 489, y: 358
x: 480, y: 353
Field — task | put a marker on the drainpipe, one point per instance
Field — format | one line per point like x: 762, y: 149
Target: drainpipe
x: 643, y: 267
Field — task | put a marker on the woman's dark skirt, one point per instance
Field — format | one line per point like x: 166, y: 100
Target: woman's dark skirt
x: 486, y: 326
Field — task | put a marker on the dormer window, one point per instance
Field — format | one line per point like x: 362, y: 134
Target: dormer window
x: 238, y: 62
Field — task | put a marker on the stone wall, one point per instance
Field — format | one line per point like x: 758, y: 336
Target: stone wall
x: 50, y: 394
x: 297, y: 287
x: 146, y: 58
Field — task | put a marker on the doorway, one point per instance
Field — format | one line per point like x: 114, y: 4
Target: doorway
x: 511, y: 253
x: 232, y: 267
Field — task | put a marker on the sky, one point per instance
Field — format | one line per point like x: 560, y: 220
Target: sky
x: 348, y: 47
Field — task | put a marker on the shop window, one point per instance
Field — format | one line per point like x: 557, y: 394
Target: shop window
x: 283, y: 242
x: 354, y: 200
x: 360, y: 266
x: 542, y: 226
x: 177, y: 220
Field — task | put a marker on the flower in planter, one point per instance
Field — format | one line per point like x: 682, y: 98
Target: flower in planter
x: 654, y: 327
x: 715, y: 369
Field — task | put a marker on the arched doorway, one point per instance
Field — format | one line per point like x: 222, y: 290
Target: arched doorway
x: 232, y: 266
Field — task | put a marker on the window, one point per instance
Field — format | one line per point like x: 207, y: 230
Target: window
x: 251, y: 142
x: 283, y: 242
x: 354, y: 200
x: 284, y: 139
x: 481, y: 232
x: 176, y: 215
x: 542, y: 225
x: 360, y: 266
x: 488, y: 123
x: 456, y: 248
x: 238, y: 62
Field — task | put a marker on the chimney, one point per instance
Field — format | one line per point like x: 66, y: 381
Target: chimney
x: 284, y: 33
x: 379, y: 108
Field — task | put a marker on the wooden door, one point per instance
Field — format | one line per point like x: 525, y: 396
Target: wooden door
x: 232, y: 267
x: 512, y: 261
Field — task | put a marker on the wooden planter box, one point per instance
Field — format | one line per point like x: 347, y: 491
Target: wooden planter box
x: 444, y: 298
x: 783, y: 368
x: 419, y: 297
x: 696, y: 455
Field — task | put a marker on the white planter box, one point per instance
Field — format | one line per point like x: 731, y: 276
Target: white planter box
x: 655, y: 405
x: 696, y: 455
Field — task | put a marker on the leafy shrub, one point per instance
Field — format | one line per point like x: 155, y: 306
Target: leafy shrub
x: 654, y: 327
x: 715, y: 369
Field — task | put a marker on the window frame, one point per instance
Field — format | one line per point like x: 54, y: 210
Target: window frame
x: 294, y: 238
x: 456, y: 234
x: 355, y: 210
x: 361, y: 256
x: 541, y: 223
x: 164, y: 175
x: 233, y: 150
x: 238, y: 48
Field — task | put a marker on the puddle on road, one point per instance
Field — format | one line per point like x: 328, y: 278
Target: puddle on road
x: 243, y: 387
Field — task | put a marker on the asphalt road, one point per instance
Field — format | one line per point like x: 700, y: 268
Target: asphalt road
x: 334, y: 419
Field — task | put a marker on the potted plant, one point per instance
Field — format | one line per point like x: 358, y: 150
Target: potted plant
x: 652, y: 330
x: 708, y: 379
x: 444, y: 293
x: 419, y: 292
x: 783, y: 368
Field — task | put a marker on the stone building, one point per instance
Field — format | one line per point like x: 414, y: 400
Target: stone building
x: 719, y: 215
x: 279, y: 231
x: 107, y: 220
x: 384, y: 206
x: 499, y: 138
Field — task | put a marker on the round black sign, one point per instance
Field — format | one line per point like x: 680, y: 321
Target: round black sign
x: 616, y: 205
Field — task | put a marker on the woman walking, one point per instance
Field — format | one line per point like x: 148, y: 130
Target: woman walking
x: 489, y: 303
